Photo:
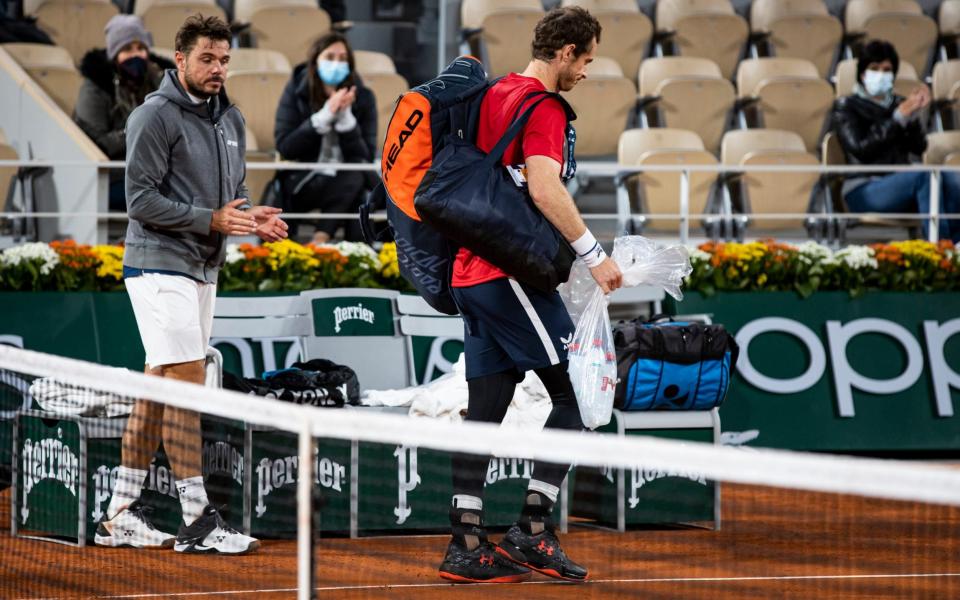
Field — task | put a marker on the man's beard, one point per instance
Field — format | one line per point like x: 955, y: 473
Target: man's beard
x: 196, y: 91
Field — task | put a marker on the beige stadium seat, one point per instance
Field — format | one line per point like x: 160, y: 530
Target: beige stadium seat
x: 942, y: 146
x: 900, y: 22
x: 259, y: 60
x: 386, y: 88
x: 7, y: 152
x: 141, y: 7
x: 626, y: 32
x: 52, y: 68
x: 798, y: 29
x: 500, y: 32
x: 688, y: 93
x: 789, y: 94
x: 76, y: 25
x: 368, y: 62
x: 257, y: 180
x: 905, y: 82
x: 257, y: 94
x: 603, y: 102
x: 659, y: 192
x: 948, y: 17
x: 288, y: 27
x: 765, y: 193
x: 165, y: 17
x: 703, y: 28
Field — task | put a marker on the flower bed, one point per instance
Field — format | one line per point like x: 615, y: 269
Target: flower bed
x: 278, y: 266
x: 767, y: 265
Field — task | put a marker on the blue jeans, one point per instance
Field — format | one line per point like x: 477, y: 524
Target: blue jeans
x: 910, y: 192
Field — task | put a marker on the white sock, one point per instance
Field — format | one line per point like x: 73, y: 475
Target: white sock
x: 467, y: 502
x: 126, y: 490
x: 550, y: 491
x: 193, y: 498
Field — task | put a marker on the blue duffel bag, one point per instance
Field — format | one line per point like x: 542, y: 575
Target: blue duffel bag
x: 672, y: 365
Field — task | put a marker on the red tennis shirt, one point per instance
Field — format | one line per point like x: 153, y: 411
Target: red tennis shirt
x: 543, y: 135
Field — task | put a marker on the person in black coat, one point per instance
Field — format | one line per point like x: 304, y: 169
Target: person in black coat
x: 116, y: 79
x: 877, y: 127
x: 326, y: 115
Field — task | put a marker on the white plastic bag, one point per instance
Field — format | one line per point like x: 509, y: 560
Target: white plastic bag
x: 593, y: 362
x: 591, y: 355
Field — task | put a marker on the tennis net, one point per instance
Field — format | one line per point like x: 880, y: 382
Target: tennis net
x: 354, y: 502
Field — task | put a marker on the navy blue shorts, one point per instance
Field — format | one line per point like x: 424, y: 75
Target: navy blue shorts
x: 511, y: 326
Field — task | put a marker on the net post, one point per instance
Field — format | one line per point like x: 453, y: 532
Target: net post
x: 305, y: 514
x: 684, y: 206
x: 933, y: 229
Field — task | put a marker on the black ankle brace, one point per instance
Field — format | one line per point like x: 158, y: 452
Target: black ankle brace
x: 464, y: 523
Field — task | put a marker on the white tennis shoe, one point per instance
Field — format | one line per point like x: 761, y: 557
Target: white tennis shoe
x: 131, y: 527
x: 210, y: 534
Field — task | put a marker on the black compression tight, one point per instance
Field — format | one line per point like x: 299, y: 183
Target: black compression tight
x: 489, y: 398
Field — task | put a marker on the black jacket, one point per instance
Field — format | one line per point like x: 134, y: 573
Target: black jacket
x: 297, y: 140
x: 102, y: 108
x: 870, y: 135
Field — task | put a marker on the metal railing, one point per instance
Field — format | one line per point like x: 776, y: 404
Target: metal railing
x: 589, y: 169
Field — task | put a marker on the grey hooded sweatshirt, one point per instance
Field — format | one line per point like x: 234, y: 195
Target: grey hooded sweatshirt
x: 184, y: 161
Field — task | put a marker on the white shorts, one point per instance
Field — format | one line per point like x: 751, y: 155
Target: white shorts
x: 174, y: 315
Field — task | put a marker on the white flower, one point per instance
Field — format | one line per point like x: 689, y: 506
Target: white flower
x: 359, y: 249
x: 697, y: 255
x: 34, y: 251
x: 234, y: 254
x: 815, y: 251
x: 857, y: 257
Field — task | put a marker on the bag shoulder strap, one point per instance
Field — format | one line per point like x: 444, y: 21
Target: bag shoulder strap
x: 518, y: 122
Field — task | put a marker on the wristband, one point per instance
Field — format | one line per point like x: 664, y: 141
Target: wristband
x: 589, y: 249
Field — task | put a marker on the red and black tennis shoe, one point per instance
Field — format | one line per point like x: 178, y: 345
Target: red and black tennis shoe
x: 540, y: 552
x: 483, y: 564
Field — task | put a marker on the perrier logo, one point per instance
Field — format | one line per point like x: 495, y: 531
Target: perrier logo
x: 352, y: 313
x: 48, y: 458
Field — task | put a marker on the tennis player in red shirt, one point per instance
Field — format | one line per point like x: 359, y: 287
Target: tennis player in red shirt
x: 511, y: 328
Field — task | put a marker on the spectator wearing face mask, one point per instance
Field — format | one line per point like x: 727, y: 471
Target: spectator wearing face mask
x: 116, y: 80
x: 877, y: 127
x: 326, y: 115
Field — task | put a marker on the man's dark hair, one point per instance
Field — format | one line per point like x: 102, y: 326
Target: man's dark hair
x: 562, y: 26
x: 198, y: 26
x: 877, y: 51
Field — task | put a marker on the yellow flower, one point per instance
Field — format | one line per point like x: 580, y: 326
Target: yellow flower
x: 762, y: 279
x: 111, y: 261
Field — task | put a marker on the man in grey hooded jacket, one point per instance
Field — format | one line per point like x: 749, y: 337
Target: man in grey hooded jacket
x: 185, y: 195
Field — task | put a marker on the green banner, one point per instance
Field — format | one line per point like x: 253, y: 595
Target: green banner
x: 352, y: 316
x: 875, y: 373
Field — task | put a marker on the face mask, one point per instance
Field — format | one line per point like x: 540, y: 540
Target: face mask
x: 878, y: 83
x: 333, y: 72
x: 133, y: 69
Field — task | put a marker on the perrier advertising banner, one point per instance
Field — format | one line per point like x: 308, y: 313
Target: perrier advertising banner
x: 876, y: 373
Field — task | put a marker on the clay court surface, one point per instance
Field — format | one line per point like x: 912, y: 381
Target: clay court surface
x: 773, y: 544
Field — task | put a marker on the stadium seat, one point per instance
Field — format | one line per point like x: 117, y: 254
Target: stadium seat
x: 386, y: 88
x: 76, y: 25
x: 943, y: 148
x: 901, y: 22
x: 765, y: 193
x: 164, y: 17
x: 626, y: 32
x: 797, y: 29
x: 7, y: 152
x: 257, y: 93
x: 948, y: 19
x: 946, y: 91
x: 686, y: 93
x: 702, y: 28
x: 53, y: 70
x: 289, y: 26
x: 257, y: 180
x: 659, y: 192
x: 603, y: 103
x: 787, y: 94
x: 499, y: 32
x: 259, y: 59
x: 141, y: 7
x: 370, y: 63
